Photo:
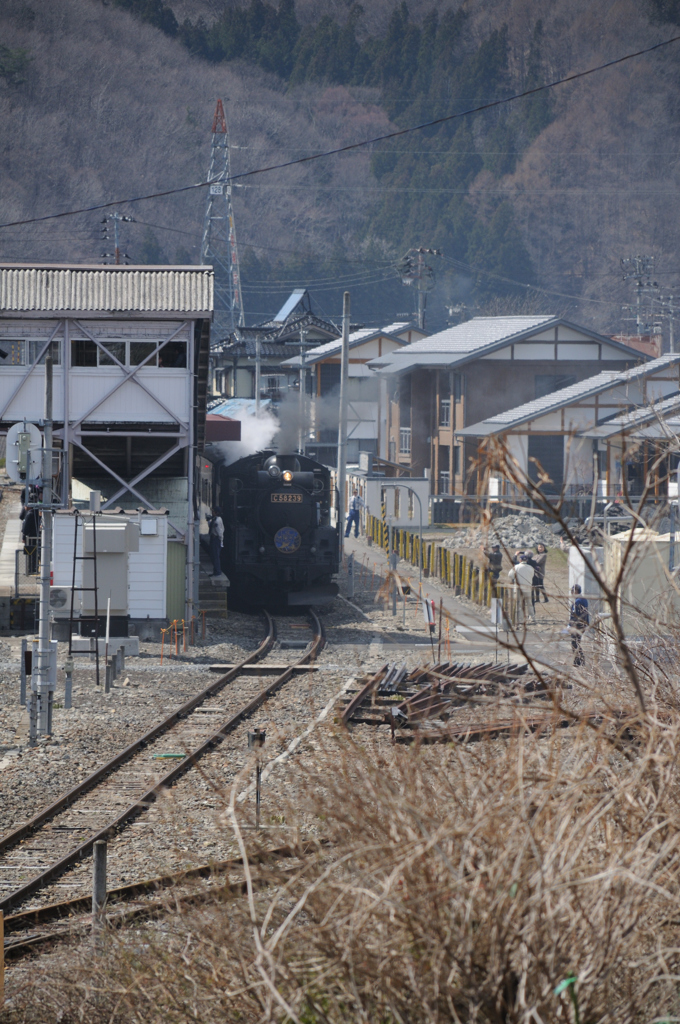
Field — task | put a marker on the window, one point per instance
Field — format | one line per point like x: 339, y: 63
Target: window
x: 173, y: 354
x: 404, y: 440
x: 444, y: 412
x: 12, y: 353
x: 329, y: 378
x: 83, y: 352
x: 141, y: 350
x: 458, y: 386
x: 547, y: 451
x: 35, y: 347
x: 393, y: 451
x: 456, y: 458
x: 116, y: 350
x: 444, y: 481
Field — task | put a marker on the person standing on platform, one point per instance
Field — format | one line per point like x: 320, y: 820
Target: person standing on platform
x: 538, y: 586
x: 494, y: 559
x: 579, y: 620
x: 522, y: 576
x: 30, y: 532
x: 356, y: 503
x: 216, y: 540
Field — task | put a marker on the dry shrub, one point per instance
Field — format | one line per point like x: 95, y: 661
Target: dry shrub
x: 458, y: 883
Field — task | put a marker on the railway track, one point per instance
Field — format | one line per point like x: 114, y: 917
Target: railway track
x: 56, y: 839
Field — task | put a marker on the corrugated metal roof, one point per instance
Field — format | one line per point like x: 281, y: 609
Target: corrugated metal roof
x: 106, y: 289
x: 566, y: 396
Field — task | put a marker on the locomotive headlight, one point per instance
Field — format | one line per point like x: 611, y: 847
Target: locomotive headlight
x: 287, y: 476
x: 275, y: 472
x: 262, y: 550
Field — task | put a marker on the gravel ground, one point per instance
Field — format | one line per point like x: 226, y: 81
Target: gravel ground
x: 190, y: 823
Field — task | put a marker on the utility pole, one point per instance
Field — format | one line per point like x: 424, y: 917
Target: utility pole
x: 640, y: 269
x: 258, y: 370
x: 342, y: 425
x: 218, y: 247
x: 669, y: 308
x: 44, y: 694
x: 301, y: 396
x: 116, y: 218
x: 416, y: 273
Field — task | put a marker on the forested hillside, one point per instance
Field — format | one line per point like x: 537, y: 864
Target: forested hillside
x: 101, y: 100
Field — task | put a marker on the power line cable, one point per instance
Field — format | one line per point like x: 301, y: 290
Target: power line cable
x: 354, y: 145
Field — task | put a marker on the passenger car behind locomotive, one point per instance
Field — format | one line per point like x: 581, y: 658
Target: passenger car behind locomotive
x: 278, y: 538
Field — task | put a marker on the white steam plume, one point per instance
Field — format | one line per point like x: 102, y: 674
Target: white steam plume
x: 257, y: 432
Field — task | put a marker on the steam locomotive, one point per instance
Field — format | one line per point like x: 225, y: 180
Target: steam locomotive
x: 279, y: 544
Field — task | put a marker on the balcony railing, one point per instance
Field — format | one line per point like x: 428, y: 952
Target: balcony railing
x: 404, y: 440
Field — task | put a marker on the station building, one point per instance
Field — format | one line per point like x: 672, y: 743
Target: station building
x: 131, y: 349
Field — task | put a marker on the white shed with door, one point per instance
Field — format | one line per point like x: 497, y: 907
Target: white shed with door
x: 131, y: 563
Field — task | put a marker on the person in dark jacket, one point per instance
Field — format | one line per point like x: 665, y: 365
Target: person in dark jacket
x: 579, y: 620
x: 494, y: 557
x: 538, y: 586
x: 30, y: 532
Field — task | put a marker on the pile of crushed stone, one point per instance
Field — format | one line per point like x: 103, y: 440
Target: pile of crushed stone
x: 512, y: 532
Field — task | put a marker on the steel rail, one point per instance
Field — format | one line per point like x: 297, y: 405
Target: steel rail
x: 151, y: 794
x: 359, y: 697
x: 51, y: 912
x: 15, y: 837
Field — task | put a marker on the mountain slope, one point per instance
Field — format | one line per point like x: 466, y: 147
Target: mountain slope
x: 548, y: 191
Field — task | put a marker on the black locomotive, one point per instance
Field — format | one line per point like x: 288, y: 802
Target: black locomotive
x: 278, y: 539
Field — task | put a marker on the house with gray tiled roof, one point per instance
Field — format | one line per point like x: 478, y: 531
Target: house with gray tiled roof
x: 439, y: 385
x: 321, y: 367
x: 615, y: 420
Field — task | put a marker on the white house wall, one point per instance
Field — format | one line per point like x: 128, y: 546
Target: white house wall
x: 578, y: 462
x: 518, y: 448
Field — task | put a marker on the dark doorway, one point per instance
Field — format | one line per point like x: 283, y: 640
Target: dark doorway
x: 548, y: 451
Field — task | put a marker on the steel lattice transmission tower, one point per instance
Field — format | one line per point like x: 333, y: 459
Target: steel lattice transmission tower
x: 219, y: 234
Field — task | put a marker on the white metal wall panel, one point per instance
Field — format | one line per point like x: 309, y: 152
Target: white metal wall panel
x: 62, y: 553
x: 147, y: 571
x: 105, y: 289
x: 147, y: 568
x: 130, y: 403
x: 29, y: 401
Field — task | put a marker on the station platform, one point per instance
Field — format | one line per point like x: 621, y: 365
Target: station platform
x: 12, y: 542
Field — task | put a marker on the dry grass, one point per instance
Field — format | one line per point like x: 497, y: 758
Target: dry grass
x: 460, y: 884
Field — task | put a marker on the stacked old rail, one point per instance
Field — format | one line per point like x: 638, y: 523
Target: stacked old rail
x: 126, y: 780
x: 406, y: 700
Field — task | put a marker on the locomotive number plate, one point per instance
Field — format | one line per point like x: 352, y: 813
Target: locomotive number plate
x: 283, y: 496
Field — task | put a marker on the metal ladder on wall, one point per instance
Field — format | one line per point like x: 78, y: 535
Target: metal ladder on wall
x: 78, y: 518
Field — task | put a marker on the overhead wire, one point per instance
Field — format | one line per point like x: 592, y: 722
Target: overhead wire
x: 447, y: 118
